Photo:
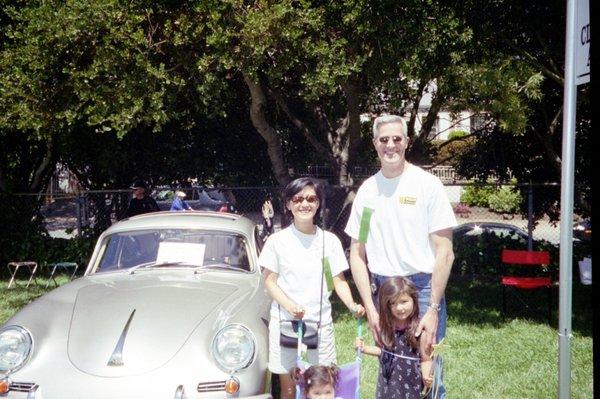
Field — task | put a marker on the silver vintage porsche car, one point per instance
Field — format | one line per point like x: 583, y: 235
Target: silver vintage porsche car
x: 171, y: 305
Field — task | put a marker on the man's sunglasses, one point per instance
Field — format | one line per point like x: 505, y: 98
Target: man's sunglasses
x: 385, y: 139
x: 311, y: 199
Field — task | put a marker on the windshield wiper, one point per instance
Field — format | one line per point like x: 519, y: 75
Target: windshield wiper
x: 154, y: 264
x: 223, y: 266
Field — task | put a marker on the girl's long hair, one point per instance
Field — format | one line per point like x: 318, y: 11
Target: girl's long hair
x: 293, y: 188
x: 389, y: 291
x: 318, y: 375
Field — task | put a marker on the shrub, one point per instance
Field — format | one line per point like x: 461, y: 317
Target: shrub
x: 477, y: 195
x: 449, y: 153
x: 457, y: 134
x: 44, y: 249
x: 505, y: 200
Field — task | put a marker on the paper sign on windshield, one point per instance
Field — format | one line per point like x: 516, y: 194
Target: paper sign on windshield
x: 185, y: 252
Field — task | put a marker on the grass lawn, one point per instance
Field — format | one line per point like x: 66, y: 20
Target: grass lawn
x: 495, y: 357
x: 490, y: 356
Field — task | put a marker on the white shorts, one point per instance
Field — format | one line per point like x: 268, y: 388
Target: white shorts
x: 282, y: 360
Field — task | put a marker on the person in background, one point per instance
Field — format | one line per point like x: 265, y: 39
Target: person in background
x: 268, y: 215
x: 140, y: 202
x: 179, y: 203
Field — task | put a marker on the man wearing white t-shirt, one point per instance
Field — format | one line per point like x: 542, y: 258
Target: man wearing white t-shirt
x: 401, y: 221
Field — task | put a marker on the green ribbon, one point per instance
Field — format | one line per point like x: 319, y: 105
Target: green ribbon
x: 327, y: 272
x: 365, y: 220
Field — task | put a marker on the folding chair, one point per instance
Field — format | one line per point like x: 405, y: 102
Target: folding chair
x: 13, y: 268
x: 64, y: 266
x: 512, y: 257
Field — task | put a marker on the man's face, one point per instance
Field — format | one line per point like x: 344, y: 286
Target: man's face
x: 391, y: 145
x: 138, y: 192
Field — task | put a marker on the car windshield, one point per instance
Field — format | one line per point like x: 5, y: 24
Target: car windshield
x: 173, y: 248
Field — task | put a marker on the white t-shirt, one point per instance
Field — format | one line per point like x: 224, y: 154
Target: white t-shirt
x: 296, y: 258
x: 406, y: 209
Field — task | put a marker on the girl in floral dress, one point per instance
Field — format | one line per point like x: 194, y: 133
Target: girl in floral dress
x: 405, y: 366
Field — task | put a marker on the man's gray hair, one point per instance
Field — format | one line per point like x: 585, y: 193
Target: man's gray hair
x: 385, y: 119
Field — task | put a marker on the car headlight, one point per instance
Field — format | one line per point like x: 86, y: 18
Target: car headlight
x: 15, y: 347
x: 233, y: 348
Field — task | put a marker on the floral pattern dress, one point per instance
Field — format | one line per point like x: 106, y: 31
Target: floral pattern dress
x: 399, y: 371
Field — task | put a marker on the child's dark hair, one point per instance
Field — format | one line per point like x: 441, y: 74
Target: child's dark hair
x: 293, y: 188
x: 317, y: 375
x: 389, y: 291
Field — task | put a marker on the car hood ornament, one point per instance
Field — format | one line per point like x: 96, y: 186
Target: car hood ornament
x: 116, y: 359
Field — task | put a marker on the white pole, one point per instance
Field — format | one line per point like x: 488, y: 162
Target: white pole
x: 566, y: 208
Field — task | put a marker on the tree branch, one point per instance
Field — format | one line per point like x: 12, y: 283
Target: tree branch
x: 545, y: 70
x: 43, y: 169
x: 414, y: 112
x: 353, y: 131
x: 546, y: 141
x: 321, y: 150
x: 262, y: 126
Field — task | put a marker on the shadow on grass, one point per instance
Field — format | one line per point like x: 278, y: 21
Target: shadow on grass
x: 480, y: 303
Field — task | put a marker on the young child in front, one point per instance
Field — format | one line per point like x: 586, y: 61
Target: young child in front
x: 405, y: 366
x: 318, y: 382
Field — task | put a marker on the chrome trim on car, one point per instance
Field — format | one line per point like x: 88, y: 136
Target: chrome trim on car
x: 116, y: 359
x: 21, y: 386
x: 33, y: 392
x: 180, y: 393
x: 215, y: 386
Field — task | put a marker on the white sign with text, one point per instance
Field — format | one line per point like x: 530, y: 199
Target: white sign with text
x: 582, y: 43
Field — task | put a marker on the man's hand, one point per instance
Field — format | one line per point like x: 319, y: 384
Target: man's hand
x: 373, y: 318
x: 358, y: 310
x: 428, y: 324
x: 427, y: 373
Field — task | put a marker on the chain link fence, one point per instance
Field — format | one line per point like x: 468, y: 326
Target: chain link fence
x: 69, y: 215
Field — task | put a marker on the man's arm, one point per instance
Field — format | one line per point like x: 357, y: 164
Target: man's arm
x: 426, y: 363
x: 360, y: 274
x: 444, y: 257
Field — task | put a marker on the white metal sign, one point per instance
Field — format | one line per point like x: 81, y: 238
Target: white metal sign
x: 582, y: 43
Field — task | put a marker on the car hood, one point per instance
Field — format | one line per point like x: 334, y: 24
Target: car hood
x: 132, y: 326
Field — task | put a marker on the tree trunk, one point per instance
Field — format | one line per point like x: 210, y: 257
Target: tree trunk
x: 348, y: 138
x: 43, y: 171
x: 414, y: 112
x: 262, y: 126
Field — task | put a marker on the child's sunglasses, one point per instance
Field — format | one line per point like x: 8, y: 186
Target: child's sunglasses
x: 298, y: 199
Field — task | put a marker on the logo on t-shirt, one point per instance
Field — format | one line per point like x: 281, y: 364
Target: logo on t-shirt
x: 408, y: 200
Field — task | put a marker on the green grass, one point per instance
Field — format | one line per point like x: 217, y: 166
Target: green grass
x: 19, y: 295
x: 490, y: 356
